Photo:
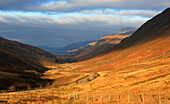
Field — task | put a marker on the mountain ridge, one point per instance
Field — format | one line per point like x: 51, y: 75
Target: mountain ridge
x: 157, y: 22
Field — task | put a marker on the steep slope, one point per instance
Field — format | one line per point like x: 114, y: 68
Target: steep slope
x: 21, y: 65
x: 150, y: 40
x: 139, y: 64
x: 154, y: 28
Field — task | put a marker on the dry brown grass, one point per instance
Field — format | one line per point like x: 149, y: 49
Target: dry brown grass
x: 138, y: 73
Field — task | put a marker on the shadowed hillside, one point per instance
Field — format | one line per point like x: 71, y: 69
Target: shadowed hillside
x: 21, y: 65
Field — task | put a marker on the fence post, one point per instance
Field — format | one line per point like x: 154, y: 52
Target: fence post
x: 52, y: 99
x: 69, y: 96
x: 31, y: 98
x: 142, y: 98
x: 128, y: 97
x: 159, y: 99
x: 118, y: 97
x: 163, y: 57
x: 93, y: 97
x: 76, y: 95
x: 109, y: 98
x: 101, y: 97
x: 80, y: 97
x: 73, y: 94
x: 86, y: 96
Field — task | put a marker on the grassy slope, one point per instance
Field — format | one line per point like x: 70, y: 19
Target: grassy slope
x: 139, y: 64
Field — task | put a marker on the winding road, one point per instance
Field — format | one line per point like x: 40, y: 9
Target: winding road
x: 90, y: 76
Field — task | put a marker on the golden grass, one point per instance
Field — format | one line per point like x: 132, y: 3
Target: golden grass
x: 128, y: 76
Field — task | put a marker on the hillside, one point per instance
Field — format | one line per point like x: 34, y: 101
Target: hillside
x: 100, y: 47
x: 21, y: 65
x: 138, y: 66
x: 149, y: 41
x: 108, y: 39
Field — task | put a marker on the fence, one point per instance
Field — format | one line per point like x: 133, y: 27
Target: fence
x: 130, y: 97
x: 126, y: 97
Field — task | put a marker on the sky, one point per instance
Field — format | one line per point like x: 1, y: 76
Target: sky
x: 57, y: 23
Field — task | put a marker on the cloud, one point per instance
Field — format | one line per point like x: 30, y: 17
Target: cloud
x: 57, y: 23
x: 142, y: 13
x: 80, y: 5
x: 19, y: 4
x: 66, y: 29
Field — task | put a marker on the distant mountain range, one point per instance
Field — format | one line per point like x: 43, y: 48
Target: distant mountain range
x: 100, y: 47
x: 127, y: 31
x: 65, y: 50
x: 76, y: 48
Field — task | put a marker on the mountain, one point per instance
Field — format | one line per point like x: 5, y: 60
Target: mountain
x: 22, y: 65
x: 127, y: 31
x: 150, y: 40
x: 154, y: 28
x: 76, y: 48
x: 138, y: 64
x: 69, y: 49
x: 77, y: 45
x: 56, y: 51
x: 110, y: 38
x: 99, y: 47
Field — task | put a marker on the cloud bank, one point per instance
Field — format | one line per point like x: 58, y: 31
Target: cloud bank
x: 57, y: 23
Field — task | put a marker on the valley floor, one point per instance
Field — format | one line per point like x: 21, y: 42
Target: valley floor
x: 138, y: 83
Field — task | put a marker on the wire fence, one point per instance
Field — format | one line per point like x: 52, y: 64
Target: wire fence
x: 127, y: 97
